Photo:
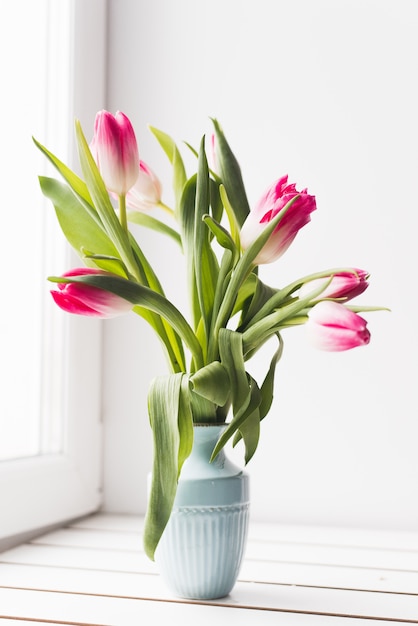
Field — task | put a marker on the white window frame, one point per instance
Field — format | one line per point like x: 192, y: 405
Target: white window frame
x: 43, y: 491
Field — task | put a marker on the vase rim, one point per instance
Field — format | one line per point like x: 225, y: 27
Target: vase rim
x: 209, y: 424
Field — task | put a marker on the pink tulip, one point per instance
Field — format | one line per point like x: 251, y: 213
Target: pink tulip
x: 274, y: 200
x: 83, y: 299
x: 333, y: 327
x: 115, y: 150
x: 344, y: 285
x: 147, y: 190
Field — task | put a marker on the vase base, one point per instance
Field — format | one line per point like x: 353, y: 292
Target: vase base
x: 201, y: 550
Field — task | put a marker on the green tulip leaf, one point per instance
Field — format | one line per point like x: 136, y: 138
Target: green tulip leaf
x: 185, y: 423
x: 249, y: 428
x: 205, y: 262
x: 172, y: 427
x: 262, y: 293
x: 78, y: 185
x: 107, y: 263
x: 230, y: 173
x: 267, y: 388
x: 174, y: 156
x: 230, y: 349
x: 215, y: 200
x: 222, y: 235
x: 79, y: 227
x: 245, y: 293
x: 186, y: 220
x: 212, y: 382
x: 233, y: 223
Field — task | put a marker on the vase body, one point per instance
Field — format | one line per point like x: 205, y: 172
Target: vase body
x: 200, y: 552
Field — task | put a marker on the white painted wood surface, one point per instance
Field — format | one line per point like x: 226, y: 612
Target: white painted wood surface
x: 94, y: 572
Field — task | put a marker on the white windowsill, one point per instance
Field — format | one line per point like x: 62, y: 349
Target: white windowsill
x: 95, y: 572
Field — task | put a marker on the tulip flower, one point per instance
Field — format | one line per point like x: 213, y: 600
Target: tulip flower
x: 115, y: 150
x: 333, y: 327
x: 83, y: 299
x: 147, y: 190
x: 270, y: 204
x: 342, y: 285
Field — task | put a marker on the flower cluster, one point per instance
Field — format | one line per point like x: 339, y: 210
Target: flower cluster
x: 232, y: 312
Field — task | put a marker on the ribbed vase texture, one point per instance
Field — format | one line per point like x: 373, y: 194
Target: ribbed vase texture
x: 201, y: 550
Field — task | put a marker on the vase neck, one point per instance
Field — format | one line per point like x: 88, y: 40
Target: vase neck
x: 204, y: 440
x: 198, y: 465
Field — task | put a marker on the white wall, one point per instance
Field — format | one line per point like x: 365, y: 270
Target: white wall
x: 324, y: 90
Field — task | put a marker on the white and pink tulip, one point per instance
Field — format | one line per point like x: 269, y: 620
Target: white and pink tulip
x: 146, y: 192
x: 83, y: 299
x: 343, y: 285
x: 333, y: 327
x: 115, y: 150
x: 269, y: 205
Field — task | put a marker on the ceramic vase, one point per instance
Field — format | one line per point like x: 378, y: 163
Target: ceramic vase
x: 201, y: 550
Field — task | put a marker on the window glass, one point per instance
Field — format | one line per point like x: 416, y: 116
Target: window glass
x: 35, y: 68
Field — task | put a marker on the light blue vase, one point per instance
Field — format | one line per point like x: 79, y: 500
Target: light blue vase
x: 200, y: 552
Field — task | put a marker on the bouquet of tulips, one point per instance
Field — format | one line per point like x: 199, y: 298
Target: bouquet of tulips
x: 232, y: 311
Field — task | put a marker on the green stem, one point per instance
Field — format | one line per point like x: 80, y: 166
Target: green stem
x: 282, y: 296
x: 122, y: 212
x: 238, y: 277
x: 166, y: 208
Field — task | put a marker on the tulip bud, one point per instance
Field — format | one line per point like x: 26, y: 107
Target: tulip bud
x: 147, y: 190
x: 333, y: 327
x: 341, y: 285
x: 115, y: 150
x: 83, y: 299
x: 270, y: 204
